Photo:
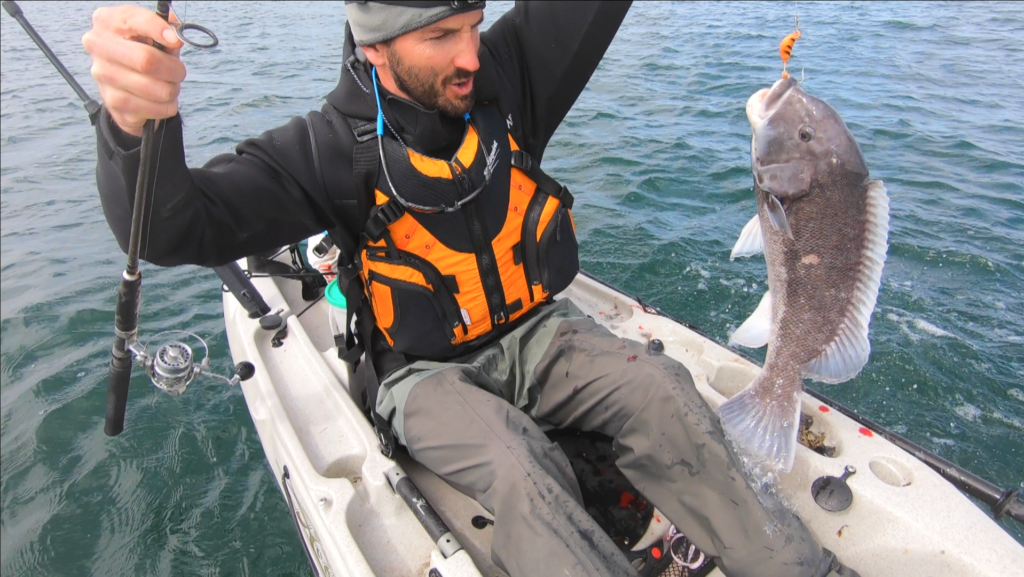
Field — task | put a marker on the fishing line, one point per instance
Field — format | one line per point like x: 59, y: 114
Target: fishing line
x: 152, y: 200
x: 318, y: 299
x: 180, y: 25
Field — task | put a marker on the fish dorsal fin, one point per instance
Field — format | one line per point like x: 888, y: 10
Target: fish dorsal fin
x: 755, y: 331
x: 751, y: 240
x: 847, y: 354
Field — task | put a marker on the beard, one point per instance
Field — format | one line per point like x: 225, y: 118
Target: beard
x: 428, y: 88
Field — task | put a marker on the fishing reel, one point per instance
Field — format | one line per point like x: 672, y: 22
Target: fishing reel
x: 173, y: 367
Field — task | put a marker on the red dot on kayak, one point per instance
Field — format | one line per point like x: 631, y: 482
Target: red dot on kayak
x: 866, y: 432
x: 823, y: 408
x: 656, y: 553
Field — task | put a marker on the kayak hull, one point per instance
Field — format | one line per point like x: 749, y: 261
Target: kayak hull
x: 905, y: 519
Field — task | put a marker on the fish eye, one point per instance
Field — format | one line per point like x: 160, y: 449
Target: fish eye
x: 806, y: 133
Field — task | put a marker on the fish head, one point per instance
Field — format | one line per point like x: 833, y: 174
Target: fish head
x: 797, y: 139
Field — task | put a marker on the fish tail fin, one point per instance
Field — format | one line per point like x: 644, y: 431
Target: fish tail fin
x: 767, y: 432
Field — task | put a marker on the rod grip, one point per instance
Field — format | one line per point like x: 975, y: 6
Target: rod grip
x: 126, y: 322
x: 117, y: 389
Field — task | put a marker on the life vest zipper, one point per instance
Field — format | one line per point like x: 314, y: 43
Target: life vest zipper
x: 486, y: 262
x: 530, y: 246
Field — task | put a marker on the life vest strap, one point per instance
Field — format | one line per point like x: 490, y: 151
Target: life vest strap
x: 381, y: 426
x: 521, y: 160
x: 362, y: 129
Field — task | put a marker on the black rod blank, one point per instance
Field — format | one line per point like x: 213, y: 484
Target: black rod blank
x: 91, y: 106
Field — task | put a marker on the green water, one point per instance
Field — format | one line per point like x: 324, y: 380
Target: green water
x: 657, y: 154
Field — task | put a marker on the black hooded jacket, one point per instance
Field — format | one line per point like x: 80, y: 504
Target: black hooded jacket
x: 534, y: 61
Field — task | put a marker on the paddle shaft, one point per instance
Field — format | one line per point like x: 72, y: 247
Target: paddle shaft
x: 91, y: 106
x: 129, y: 294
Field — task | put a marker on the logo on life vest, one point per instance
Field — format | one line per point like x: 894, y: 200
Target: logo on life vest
x: 492, y: 161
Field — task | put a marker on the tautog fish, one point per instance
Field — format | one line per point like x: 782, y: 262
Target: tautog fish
x: 823, y: 227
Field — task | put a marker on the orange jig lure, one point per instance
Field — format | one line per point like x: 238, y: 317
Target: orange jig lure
x: 786, y: 47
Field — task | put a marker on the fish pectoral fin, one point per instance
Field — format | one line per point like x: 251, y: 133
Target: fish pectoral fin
x: 755, y: 331
x: 751, y: 240
x: 765, y: 430
x: 777, y: 216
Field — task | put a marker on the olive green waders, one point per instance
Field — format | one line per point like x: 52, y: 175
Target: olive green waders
x: 480, y: 423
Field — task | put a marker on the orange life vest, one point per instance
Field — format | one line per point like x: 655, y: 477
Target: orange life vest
x: 439, y: 281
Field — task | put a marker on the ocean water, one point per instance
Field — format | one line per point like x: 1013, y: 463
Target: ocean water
x: 656, y: 152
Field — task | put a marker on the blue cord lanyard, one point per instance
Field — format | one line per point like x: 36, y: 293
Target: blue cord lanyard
x: 384, y: 164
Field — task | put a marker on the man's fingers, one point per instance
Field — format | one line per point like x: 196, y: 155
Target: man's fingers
x: 136, y: 80
x: 134, y: 83
x: 131, y: 112
x: 132, y: 21
x: 143, y: 59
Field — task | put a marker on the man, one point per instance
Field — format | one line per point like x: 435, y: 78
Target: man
x: 453, y: 264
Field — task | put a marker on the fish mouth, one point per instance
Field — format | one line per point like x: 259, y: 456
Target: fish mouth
x: 763, y: 103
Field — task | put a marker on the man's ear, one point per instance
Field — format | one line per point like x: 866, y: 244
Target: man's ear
x: 375, y: 54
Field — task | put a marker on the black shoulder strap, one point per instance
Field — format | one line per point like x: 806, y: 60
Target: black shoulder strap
x: 351, y: 347
x: 340, y: 235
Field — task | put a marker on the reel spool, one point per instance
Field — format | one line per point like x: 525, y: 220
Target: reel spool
x: 173, y: 368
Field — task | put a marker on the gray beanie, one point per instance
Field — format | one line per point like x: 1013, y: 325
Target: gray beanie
x: 380, y: 21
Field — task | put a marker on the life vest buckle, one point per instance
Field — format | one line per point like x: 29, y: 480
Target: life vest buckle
x: 522, y: 160
x: 381, y: 217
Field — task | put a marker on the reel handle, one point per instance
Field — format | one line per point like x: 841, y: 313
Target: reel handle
x: 244, y: 370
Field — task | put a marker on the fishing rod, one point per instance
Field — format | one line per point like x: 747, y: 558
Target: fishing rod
x: 91, y: 106
x: 172, y: 368
x: 1002, y: 502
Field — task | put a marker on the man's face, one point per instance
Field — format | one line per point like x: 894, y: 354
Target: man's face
x: 435, y: 65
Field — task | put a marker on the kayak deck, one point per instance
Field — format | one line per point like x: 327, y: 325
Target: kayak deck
x: 905, y: 519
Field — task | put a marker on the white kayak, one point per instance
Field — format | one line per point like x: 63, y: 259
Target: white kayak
x: 905, y: 519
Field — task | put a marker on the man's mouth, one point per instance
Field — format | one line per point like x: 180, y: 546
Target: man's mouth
x: 462, y: 87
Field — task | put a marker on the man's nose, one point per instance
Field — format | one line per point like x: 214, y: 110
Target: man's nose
x: 466, y: 58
